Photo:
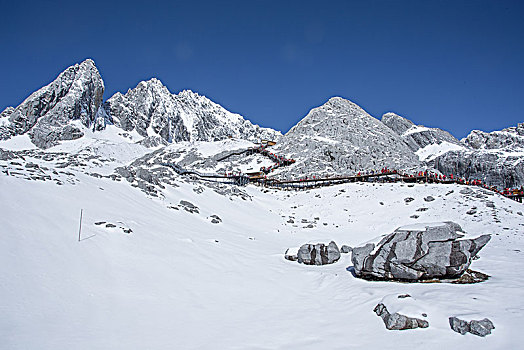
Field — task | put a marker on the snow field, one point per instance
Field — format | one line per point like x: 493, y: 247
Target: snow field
x: 171, y: 284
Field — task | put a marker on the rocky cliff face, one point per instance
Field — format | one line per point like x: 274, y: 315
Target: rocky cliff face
x: 47, y: 115
x: 417, y: 137
x: 509, y: 139
x: 151, y: 109
x: 339, y: 137
x: 497, y: 158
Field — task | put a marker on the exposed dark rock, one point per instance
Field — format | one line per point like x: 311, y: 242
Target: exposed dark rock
x: 153, y: 141
x: 291, y: 254
x: 466, y: 190
x: 458, y: 325
x: 345, y: 249
x: 397, y: 321
x: 189, y: 207
x: 429, y: 199
x: 470, y: 276
x: 318, y: 254
x: 215, y: 219
x: 7, y: 155
x: 480, y: 328
x: 415, y: 254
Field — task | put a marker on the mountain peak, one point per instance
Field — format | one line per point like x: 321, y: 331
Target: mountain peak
x: 188, y: 92
x: 76, y: 94
x: 396, y: 123
x: 89, y: 62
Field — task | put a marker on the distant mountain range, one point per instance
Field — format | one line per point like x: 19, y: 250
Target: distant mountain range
x: 338, y: 137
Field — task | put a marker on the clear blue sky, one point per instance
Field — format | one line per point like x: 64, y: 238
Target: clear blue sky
x: 457, y: 65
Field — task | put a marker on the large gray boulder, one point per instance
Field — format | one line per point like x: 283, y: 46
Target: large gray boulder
x: 425, y: 251
x: 398, y: 321
x: 318, y: 254
x: 47, y: 115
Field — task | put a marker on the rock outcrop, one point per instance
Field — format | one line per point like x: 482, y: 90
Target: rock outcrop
x: 418, y: 136
x: 480, y: 328
x: 339, y: 137
x: 152, y: 110
x: 416, y: 253
x: 318, y: 254
x: 510, y: 138
x: 397, y: 321
x: 49, y: 114
x: 496, y: 158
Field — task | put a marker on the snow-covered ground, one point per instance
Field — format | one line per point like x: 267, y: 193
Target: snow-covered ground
x: 178, y: 281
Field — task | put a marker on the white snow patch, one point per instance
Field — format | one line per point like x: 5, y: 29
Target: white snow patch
x: 415, y: 129
x: 434, y: 150
x: 17, y: 143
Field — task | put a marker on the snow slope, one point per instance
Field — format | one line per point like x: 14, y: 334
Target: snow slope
x: 179, y: 281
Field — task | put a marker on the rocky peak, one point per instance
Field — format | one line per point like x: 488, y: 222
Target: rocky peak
x: 46, y: 114
x: 396, y: 123
x: 510, y: 139
x: 339, y: 137
x: 151, y: 109
x: 419, y: 136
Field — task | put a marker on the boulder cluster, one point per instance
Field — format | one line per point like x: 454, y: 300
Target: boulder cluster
x: 480, y: 328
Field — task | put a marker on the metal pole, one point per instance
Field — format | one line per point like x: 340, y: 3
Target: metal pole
x: 80, y: 229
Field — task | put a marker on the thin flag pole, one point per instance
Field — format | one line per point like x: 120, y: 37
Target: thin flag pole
x: 80, y: 229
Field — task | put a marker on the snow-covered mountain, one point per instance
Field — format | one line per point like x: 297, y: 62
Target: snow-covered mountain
x: 339, y: 137
x: 57, y: 111
x: 151, y: 109
x: 336, y: 138
x: 72, y: 103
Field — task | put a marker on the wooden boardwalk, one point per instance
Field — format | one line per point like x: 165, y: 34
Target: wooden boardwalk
x: 313, y: 182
